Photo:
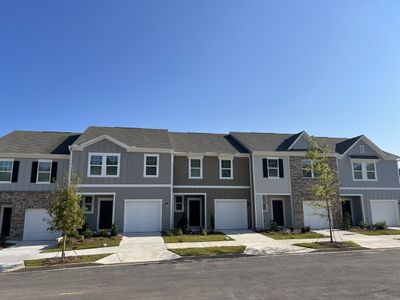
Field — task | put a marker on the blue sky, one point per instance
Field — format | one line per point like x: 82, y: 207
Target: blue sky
x: 331, y: 68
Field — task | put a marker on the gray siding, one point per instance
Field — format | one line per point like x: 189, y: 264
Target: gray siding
x: 301, y: 144
x: 211, y: 172
x: 24, y: 177
x: 131, y: 166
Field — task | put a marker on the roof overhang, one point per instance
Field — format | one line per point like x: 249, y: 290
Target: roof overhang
x: 34, y: 155
x: 373, y: 146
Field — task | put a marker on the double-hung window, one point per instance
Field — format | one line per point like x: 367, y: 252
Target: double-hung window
x: 87, y: 204
x: 195, y: 168
x: 151, y: 165
x: 6, y: 169
x: 104, y: 164
x: 308, y: 169
x: 226, y: 168
x: 364, y: 171
x: 178, y: 203
x: 273, y: 168
x: 44, y: 171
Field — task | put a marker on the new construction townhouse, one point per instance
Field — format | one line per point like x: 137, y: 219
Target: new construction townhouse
x: 147, y: 180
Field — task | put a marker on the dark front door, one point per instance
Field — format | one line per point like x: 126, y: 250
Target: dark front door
x: 105, y: 214
x: 346, y: 208
x: 6, y: 221
x: 194, y: 213
x: 277, y: 209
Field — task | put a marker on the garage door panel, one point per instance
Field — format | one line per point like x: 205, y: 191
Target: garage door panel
x: 385, y: 210
x: 142, y: 216
x: 35, y: 226
x: 231, y: 214
x: 314, y: 217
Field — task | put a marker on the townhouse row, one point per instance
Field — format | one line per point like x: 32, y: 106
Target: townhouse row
x: 145, y: 180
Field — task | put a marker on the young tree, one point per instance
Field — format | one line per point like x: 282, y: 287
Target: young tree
x: 326, y: 187
x: 65, y: 211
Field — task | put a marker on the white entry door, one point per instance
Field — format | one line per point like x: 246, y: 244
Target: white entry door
x: 35, y: 226
x: 316, y: 218
x: 230, y: 214
x: 142, y: 215
x: 385, y: 210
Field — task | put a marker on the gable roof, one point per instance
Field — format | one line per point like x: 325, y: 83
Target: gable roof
x: 205, y: 143
x: 37, y: 142
x: 131, y: 137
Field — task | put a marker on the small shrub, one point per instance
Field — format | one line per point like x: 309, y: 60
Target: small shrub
x: 183, y: 223
x: 362, y: 225
x: 102, y: 232
x: 203, y: 231
x: 114, y: 231
x: 88, y: 233
x: 179, y: 231
x: 346, y: 221
x: 275, y: 226
x: 168, y: 233
x: 305, y: 229
x: 291, y: 228
x: 381, y: 225
x: 74, y: 235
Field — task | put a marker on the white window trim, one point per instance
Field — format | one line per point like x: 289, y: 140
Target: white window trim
x: 157, y: 165
x: 201, y: 167
x: 12, y: 169
x: 364, y: 172
x: 104, y: 164
x: 277, y: 167
x: 220, y: 168
x: 88, y: 212
x: 183, y: 204
x: 312, y: 170
x: 37, y: 172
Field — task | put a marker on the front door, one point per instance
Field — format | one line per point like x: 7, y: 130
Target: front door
x: 6, y: 221
x: 105, y: 214
x: 346, y: 208
x: 277, y: 212
x: 194, y: 212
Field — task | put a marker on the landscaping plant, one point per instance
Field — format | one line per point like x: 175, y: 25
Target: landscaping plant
x: 346, y: 224
x: 381, y: 225
x: 275, y: 226
x: 87, y: 233
x: 114, y: 231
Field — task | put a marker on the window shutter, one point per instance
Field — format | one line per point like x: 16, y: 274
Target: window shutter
x: 265, y: 167
x: 15, y: 171
x: 281, y: 173
x: 53, y: 171
x: 34, y: 171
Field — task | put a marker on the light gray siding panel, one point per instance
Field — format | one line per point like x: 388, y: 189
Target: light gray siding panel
x: 24, y: 177
x: 301, y: 144
x: 269, y: 185
x: 241, y: 172
x: 355, y: 150
x: 131, y: 165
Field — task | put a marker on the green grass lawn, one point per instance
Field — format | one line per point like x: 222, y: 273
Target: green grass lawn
x: 95, y: 242
x: 329, y: 246
x: 212, y: 237
x: 376, y: 232
x: 295, y: 235
x: 209, y: 251
x: 68, y: 260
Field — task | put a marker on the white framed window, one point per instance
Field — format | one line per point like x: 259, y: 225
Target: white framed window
x: 195, y: 168
x: 226, y: 169
x: 265, y: 203
x: 364, y: 171
x: 273, y: 167
x: 308, y: 169
x: 87, y: 204
x: 6, y: 170
x: 179, y: 204
x: 44, y: 171
x: 151, y: 165
x: 104, y: 164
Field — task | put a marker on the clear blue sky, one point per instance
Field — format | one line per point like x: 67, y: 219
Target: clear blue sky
x: 331, y: 68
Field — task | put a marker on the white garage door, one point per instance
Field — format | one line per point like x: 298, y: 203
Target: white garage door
x: 315, y: 217
x: 385, y: 210
x: 35, y: 228
x: 142, y: 215
x: 230, y: 214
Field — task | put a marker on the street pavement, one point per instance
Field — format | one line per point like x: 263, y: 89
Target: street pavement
x: 366, y: 274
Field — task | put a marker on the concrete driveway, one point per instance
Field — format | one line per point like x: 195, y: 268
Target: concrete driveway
x: 140, y: 247
x: 12, y: 258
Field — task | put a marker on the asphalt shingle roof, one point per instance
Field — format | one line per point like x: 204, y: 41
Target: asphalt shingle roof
x: 38, y: 142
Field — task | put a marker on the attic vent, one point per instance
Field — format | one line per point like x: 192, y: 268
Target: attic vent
x: 362, y: 149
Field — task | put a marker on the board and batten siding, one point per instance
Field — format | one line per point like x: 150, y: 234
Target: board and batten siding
x: 131, y: 165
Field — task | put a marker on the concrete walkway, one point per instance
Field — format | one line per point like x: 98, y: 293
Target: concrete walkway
x: 140, y: 248
x: 259, y: 244
x: 202, y: 244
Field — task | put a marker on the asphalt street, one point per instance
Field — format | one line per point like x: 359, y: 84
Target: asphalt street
x: 346, y: 275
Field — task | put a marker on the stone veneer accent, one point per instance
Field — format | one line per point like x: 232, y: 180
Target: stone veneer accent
x: 20, y: 201
x: 302, y: 191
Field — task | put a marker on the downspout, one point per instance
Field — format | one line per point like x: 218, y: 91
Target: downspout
x: 252, y: 192
x: 172, y: 200
x: 70, y: 165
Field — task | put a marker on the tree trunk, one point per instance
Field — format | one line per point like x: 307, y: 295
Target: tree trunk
x: 63, y: 247
x: 330, y: 224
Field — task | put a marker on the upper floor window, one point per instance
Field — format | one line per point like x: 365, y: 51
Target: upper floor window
x: 178, y: 203
x: 273, y: 167
x: 308, y: 169
x: 151, y: 165
x: 6, y: 169
x: 195, y: 168
x: 104, y: 165
x: 44, y: 171
x: 364, y: 170
x: 226, y: 169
